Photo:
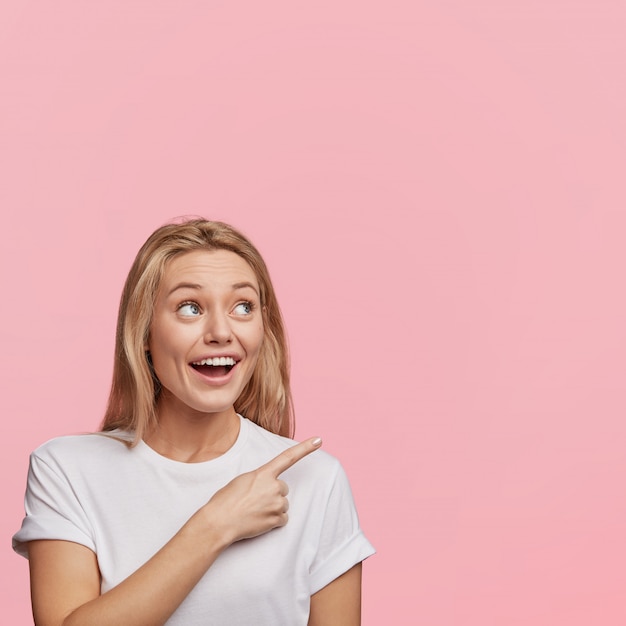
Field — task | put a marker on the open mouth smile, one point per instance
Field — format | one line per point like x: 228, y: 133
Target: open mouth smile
x: 214, y: 367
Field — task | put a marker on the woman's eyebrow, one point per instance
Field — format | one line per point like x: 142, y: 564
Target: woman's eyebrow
x: 184, y: 286
x: 244, y: 285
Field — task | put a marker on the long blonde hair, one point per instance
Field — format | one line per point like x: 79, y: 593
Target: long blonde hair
x: 265, y: 400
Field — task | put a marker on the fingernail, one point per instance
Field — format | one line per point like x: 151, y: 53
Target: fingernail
x: 317, y: 441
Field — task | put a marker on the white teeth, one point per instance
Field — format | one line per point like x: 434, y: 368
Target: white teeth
x: 218, y: 360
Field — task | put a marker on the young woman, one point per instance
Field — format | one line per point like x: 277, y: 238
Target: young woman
x: 176, y: 513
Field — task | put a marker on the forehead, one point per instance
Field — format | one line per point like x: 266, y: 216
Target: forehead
x: 207, y: 268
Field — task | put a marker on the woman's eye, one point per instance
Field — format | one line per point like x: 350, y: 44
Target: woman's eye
x: 244, y: 308
x: 189, y: 309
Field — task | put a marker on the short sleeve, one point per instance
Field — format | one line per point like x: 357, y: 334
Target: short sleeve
x: 342, y: 543
x: 53, y: 510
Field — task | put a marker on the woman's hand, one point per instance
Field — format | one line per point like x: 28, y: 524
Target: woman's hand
x: 255, y: 502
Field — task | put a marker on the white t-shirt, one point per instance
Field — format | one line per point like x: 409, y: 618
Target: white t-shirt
x: 126, y: 503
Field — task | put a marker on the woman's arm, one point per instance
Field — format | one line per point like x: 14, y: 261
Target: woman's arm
x: 65, y: 579
x: 339, y: 603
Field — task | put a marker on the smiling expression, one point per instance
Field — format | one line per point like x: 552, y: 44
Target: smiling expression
x: 206, y: 332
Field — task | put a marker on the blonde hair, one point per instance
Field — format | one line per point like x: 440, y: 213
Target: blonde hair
x: 265, y: 400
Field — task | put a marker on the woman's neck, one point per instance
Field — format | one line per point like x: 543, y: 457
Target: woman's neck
x: 183, y: 434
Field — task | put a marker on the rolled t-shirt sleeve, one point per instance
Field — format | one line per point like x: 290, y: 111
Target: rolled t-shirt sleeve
x: 342, y: 543
x: 53, y: 509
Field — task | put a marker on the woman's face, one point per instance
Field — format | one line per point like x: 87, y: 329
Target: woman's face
x: 206, y: 331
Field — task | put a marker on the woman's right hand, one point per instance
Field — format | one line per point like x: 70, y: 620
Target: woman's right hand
x: 255, y: 502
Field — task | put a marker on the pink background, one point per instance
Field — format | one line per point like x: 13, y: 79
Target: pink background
x: 439, y: 190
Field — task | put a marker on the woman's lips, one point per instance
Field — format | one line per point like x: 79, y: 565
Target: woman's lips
x: 215, y: 369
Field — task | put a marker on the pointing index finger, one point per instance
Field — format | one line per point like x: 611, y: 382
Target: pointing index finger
x: 291, y: 456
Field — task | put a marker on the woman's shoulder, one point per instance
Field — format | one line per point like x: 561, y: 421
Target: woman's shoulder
x: 83, y: 445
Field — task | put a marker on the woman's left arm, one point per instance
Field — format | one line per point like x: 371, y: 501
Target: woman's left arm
x: 339, y: 603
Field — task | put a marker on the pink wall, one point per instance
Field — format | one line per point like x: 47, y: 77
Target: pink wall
x: 439, y: 189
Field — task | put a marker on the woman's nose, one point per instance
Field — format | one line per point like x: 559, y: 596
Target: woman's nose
x: 218, y: 328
